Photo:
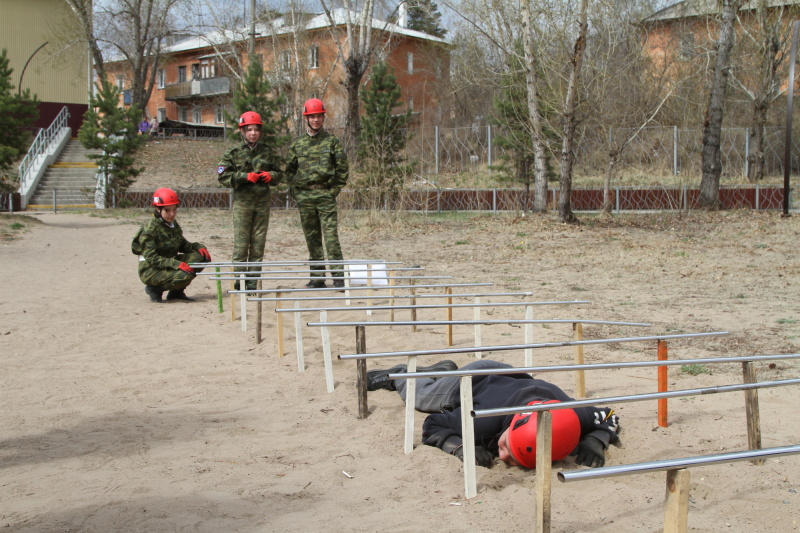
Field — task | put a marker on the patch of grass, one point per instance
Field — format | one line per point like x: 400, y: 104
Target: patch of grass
x: 695, y: 369
x: 16, y: 225
x: 461, y: 242
x: 760, y: 246
x: 680, y: 253
x: 578, y: 289
x: 13, y: 226
x: 740, y: 295
x: 787, y: 321
x: 521, y: 234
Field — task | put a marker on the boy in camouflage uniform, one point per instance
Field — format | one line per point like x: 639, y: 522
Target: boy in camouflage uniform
x: 317, y: 170
x: 249, y: 169
x: 164, y: 253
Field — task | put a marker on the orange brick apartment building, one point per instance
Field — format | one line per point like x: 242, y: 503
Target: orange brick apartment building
x: 195, y: 80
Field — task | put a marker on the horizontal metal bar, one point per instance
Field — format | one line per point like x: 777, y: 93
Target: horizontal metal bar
x: 289, y: 263
x: 351, y: 273
x: 473, y: 322
x: 483, y: 413
x: 484, y: 349
x: 391, y: 296
x: 422, y: 306
x: 591, y: 366
x: 364, y: 288
x: 672, y: 464
x: 251, y: 277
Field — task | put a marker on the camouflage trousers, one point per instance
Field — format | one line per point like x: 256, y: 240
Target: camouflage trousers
x: 170, y: 278
x: 319, y: 219
x: 250, y: 224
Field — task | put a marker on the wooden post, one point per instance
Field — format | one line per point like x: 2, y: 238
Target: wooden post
x: 258, y: 315
x: 298, y: 339
x: 449, y: 292
x: 413, y: 309
x: 544, y: 469
x: 279, y: 324
x: 468, y: 437
x: 476, y: 315
x: 391, y: 293
x: 411, y: 403
x: 752, y: 411
x: 243, y: 301
x: 219, y: 292
x: 528, y: 335
x: 361, y: 377
x: 580, y: 382
x: 233, y: 297
x: 326, y: 351
x: 662, y: 383
x: 676, y: 512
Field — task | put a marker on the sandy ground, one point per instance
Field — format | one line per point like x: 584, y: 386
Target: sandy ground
x: 121, y: 415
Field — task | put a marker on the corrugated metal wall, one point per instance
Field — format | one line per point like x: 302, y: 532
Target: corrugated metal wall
x: 57, y: 73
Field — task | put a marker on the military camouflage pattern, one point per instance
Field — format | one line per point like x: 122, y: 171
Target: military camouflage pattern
x: 317, y: 170
x: 250, y: 200
x: 163, y: 249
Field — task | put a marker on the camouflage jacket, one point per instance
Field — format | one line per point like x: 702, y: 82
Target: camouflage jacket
x: 317, y: 162
x: 241, y: 160
x: 159, y: 244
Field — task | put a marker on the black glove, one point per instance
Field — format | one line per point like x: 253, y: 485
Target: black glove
x: 591, y: 452
x: 483, y: 457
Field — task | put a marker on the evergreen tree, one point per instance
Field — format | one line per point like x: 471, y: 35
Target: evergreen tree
x: 255, y: 94
x: 383, y: 134
x: 424, y: 16
x: 112, y: 130
x: 18, y: 112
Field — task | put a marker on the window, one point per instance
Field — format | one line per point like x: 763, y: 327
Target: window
x: 181, y: 74
x: 197, y: 114
x: 162, y: 78
x: 182, y: 110
x: 220, y: 114
x: 121, y: 83
x: 411, y: 62
x: 195, y: 71
x: 313, y: 57
x: 286, y: 60
x: 162, y: 114
x: 208, y: 68
x: 687, y: 49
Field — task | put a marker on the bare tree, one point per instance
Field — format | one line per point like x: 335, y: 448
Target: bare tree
x: 133, y: 31
x: 712, y: 124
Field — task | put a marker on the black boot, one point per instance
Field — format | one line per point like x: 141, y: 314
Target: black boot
x: 338, y: 283
x: 379, y: 379
x: 154, y: 293
x: 315, y: 284
x: 178, y: 295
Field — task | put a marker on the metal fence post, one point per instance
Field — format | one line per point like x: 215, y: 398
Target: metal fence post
x: 489, y: 152
x: 746, y: 152
x: 54, y: 202
x: 617, y: 199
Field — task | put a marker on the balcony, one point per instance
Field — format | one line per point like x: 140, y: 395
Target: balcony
x: 198, y: 88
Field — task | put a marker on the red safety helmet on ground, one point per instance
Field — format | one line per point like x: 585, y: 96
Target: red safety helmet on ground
x: 522, y: 435
x: 313, y: 106
x: 248, y: 118
x: 164, y: 197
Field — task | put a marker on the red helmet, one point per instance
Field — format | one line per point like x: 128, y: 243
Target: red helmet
x: 313, y: 106
x: 250, y: 117
x: 163, y: 197
x: 522, y: 435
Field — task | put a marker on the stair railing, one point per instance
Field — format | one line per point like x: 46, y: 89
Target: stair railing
x: 39, y: 149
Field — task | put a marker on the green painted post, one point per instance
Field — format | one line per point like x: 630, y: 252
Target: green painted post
x: 219, y: 292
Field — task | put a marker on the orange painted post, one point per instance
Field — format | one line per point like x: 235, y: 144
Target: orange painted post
x: 662, y: 383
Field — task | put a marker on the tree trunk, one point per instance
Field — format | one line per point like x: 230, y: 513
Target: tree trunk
x: 613, y: 159
x: 570, y: 119
x: 537, y: 131
x: 712, y: 125
x: 354, y: 68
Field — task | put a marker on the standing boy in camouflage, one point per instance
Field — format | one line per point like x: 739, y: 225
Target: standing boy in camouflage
x: 249, y: 169
x: 317, y: 171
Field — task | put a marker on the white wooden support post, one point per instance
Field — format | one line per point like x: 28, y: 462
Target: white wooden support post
x: 544, y: 469
x: 279, y: 325
x: 476, y: 315
x: 326, y: 351
x: 233, y: 297
x: 411, y: 402
x: 676, y: 509
x: 347, y: 277
x: 298, y: 337
x: 449, y: 315
x: 243, y: 301
x: 468, y: 438
x: 390, y: 278
x: 370, y: 273
x: 528, y: 335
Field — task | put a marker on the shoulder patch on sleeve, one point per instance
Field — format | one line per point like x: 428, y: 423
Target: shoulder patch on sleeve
x: 221, y: 169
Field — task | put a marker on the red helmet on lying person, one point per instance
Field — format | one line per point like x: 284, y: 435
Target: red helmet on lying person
x: 164, y: 197
x: 522, y: 434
